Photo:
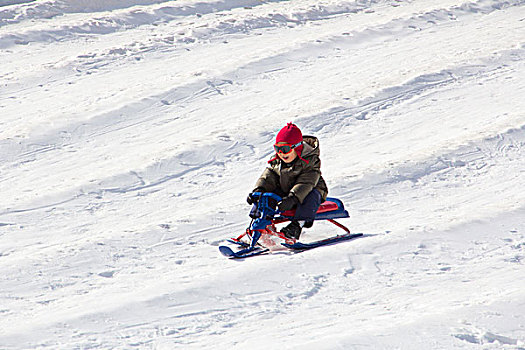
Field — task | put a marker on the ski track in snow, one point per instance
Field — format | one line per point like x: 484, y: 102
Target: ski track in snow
x: 128, y: 147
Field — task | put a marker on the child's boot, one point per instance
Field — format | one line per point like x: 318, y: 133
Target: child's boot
x: 292, y: 230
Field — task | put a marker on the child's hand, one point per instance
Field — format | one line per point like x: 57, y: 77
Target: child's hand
x: 287, y: 203
x: 250, y: 200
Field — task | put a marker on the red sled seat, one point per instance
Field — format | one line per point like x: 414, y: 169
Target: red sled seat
x: 327, y: 206
x: 330, y: 209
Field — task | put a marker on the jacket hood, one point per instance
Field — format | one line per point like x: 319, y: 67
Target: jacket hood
x: 311, y: 146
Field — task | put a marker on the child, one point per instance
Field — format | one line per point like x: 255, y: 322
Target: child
x: 295, y: 175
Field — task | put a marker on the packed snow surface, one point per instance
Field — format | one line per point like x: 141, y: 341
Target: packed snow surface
x: 132, y: 131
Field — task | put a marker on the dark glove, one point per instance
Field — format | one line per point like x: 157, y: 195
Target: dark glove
x: 287, y: 203
x: 251, y: 199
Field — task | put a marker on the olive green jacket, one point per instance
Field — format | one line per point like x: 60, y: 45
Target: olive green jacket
x: 299, y: 177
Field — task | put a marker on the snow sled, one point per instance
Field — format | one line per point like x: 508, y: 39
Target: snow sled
x: 262, y: 236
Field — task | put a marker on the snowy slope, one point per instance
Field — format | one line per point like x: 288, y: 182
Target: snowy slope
x: 132, y: 131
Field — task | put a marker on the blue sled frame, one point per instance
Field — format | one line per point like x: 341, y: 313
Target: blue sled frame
x: 330, y: 210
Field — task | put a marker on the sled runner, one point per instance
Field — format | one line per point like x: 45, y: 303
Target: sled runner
x: 262, y: 236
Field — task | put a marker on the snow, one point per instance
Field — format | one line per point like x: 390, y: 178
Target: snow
x: 132, y: 131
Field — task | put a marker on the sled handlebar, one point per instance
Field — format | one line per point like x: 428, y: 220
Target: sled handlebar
x: 265, y: 210
x: 268, y: 195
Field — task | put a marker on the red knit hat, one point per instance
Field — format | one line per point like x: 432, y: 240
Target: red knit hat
x: 289, y: 134
x: 292, y: 135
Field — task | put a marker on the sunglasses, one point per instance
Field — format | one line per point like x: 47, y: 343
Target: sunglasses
x: 285, y: 149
